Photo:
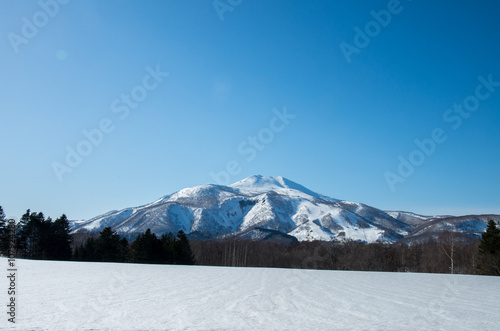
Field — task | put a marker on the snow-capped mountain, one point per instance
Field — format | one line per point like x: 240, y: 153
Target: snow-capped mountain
x: 426, y: 227
x: 258, y: 207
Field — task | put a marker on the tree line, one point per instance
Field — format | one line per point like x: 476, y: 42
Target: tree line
x: 38, y: 237
x: 449, y: 253
x: 42, y: 238
x: 146, y: 248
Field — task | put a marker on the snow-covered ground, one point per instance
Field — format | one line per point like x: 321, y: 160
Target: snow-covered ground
x: 109, y: 296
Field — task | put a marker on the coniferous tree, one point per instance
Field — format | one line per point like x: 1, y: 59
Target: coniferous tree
x: 108, y: 246
x: 60, y: 239
x: 147, y: 248
x: 88, y: 251
x: 40, y: 238
x: 44, y: 239
x: 182, y: 249
x: 136, y: 250
x: 21, y: 234
x: 33, y: 231
x: 167, y: 247
x: 124, y: 250
x: 4, y: 234
x: 489, y: 250
x: 139, y: 251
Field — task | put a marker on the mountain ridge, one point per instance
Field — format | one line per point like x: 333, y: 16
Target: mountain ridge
x: 258, y: 206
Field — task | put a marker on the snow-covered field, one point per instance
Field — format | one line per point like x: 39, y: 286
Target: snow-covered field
x: 109, y: 296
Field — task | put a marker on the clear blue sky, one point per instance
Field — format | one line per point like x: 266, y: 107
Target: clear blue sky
x: 76, y: 64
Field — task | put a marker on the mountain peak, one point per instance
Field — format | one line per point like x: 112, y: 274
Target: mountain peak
x: 260, y: 181
x: 261, y: 184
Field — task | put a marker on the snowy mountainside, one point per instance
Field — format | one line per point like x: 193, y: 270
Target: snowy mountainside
x: 409, y: 218
x: 256, y: 202
x: 471, y: 226
x: 261, y: 207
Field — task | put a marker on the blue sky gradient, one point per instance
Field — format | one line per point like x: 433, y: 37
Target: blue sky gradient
x: 350, y: 118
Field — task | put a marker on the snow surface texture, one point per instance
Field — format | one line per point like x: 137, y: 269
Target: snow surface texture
x: 112, y: 296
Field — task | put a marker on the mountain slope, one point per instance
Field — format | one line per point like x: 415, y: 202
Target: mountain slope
x: 258, y: 206
x: 257, y: 202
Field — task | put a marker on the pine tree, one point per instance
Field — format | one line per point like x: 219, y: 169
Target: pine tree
x: 108, y: 246
x: 44, y: 240
x: 489, y: 250
x: 21, y: 234
x: 182, y: 249
x: 124, y: 250
x: 32, y: 235
x: 146, y: 248
x: 60, y: 239
x: 40, y: 238
x: 167, y: 247
x: 88, y: 251
x: 4, y: 234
